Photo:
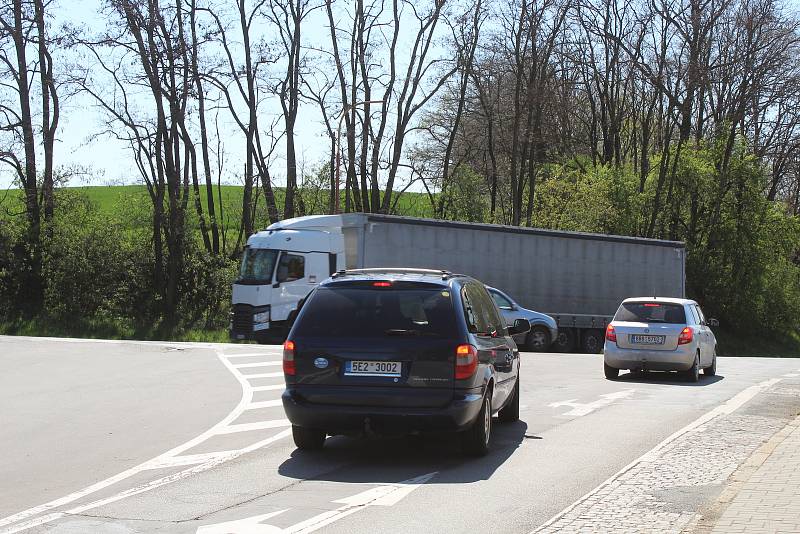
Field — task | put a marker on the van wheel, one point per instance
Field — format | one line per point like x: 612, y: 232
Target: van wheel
x: 565, y: 342
x: 475, y: 441
x: 538, y: 339
x: 308, y: 439
x: 612, y: 373
x: 510, y: 412
x: 592, y: 342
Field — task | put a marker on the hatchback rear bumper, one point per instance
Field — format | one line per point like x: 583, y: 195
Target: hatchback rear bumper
x: 355, y: 419
x: 680, y: 359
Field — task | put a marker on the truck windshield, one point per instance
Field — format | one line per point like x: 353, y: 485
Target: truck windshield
x: 258, y: 264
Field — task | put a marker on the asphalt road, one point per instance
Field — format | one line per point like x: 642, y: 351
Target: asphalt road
x: 112, y: 437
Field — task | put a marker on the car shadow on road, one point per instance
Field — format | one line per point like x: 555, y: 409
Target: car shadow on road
x: 667, y: 377
x: 391, y: 460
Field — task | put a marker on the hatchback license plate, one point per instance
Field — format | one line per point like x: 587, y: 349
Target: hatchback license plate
x: 371, y: 368
x: 647, y: 340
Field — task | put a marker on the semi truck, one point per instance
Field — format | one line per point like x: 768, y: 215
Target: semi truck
x: 579, y: 279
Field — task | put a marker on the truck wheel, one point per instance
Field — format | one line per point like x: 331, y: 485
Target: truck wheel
x: 475, y: 441
x: 565, y: 342
x: 538, y: 339
x: 308, y: 439
x: 592, y: 342
x: 510, y: 412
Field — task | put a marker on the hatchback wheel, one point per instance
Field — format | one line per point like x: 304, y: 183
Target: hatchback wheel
x: 510, y: 412
x: 308, y: 439
x: 538, y: 339
x: 611, y: 372
x: 712, y: 369
x: 693, y: 374
x: 475, y: 441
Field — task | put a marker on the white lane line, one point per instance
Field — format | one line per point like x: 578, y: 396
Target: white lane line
x: 188, y: 459
x: 791, y: 375
x: 248, y: 427
x: 728, y: 407
x: 273, y: 387
x: 153, y: 484
x: 263, y: 375
x: 248, y: 525
x: 257, y: 364
x: 265, y: 404
x: 250, y: 354
x: 247, y: 393
x: 581, y: 409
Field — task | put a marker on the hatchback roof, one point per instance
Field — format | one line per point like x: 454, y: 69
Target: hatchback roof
x: 666, y: 300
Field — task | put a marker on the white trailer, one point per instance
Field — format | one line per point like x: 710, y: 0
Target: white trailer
x: 577, y: 278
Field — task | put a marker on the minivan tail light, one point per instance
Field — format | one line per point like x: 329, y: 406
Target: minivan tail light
x: 288, y: 358
x: 466, y: 361
x: 382, y: 284
x: 686, y: 336
x: 611, y: 335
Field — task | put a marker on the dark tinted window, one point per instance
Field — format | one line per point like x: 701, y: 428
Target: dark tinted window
x: 368, y: 312
x: 479, y: 310
x: 651, y: 312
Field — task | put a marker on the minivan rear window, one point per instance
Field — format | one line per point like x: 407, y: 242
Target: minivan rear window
x: 651, y: 312
x: 384, y: 312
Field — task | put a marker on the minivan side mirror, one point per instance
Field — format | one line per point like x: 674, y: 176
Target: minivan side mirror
x: 520, y: 327
x: 712, y: 322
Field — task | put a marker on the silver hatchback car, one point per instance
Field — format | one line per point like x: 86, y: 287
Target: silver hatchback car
x: 660, y: 334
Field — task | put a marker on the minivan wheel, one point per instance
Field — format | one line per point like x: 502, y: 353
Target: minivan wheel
x: 712, y: 369
x: 475, y: 441
x: 308, y: 439
x: 510, y: 412
x: 538, y: 339
x: 611, y: 372
x: 693, y: 374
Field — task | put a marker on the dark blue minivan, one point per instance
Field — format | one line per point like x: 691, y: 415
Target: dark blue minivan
x: 400, y: 351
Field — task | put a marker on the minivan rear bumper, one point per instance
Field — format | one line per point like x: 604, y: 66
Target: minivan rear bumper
x: 354, y: 419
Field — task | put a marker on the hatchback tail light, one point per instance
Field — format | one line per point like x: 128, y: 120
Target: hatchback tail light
x: 686, y: 336
x: 466, y: 361
x: 611, y: 335
x: 288, y: 358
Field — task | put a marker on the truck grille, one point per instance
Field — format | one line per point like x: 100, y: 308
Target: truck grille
x: 243, y: 318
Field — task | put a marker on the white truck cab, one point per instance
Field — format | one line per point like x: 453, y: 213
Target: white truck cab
x: 280, y: 266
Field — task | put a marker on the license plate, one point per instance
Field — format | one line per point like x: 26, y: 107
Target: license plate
x: 647, y: 340
x: 371, y: 368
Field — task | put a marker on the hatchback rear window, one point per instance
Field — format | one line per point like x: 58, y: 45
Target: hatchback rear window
x: 369, y: 312
x: 651, y: 312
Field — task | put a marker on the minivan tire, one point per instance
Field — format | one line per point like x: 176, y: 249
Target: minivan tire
x: 510, y: 412
x: 475, y: 440
x: 308, y: 439
x: 612, y: 373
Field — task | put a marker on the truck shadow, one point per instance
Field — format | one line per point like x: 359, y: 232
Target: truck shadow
x: 665, y: 377
x: 390, y: 460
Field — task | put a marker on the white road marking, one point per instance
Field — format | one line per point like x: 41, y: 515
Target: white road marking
x: 264, y: 375
x: 187, y: 459
x: 728, y: 407
x: 248, y: 427
x: 250, y: 525
x: 257, y: 364
x: 581, y: 409
x: 791, y: 375
x: 273, y: 387
x: 222, y: 427
x: 265, y: 404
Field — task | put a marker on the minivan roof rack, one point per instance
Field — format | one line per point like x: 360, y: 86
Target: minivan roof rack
x: 394, y: 270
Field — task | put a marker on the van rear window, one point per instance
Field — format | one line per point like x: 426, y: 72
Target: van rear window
x: 651, y: 312
x: 373, y: 312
